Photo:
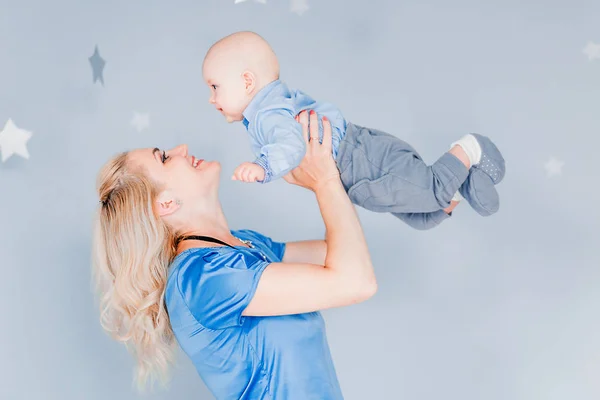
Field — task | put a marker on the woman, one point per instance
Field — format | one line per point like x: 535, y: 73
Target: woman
x: 243, y: 307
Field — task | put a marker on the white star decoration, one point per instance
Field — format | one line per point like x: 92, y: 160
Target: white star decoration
x: 299, y: 6
x: 140, y: 121
x: 553, y: 167
x: 592, y: 50
x: 257, y: 1
x: 13, y: 140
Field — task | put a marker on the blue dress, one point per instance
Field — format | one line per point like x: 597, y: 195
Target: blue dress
x: 241, y: 357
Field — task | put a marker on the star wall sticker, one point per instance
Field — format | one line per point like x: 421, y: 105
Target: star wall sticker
x: 97, y: 64
x: 553, y: 167
x: 140, y: 121
x: 256, y: 1
x: 13, y: 140
x: 592, y: 50
x: 299, y: 6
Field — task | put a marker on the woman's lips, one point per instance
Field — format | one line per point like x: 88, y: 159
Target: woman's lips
x: 197, y: 161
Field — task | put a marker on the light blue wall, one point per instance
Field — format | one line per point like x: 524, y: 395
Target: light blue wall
x: 498, y: 308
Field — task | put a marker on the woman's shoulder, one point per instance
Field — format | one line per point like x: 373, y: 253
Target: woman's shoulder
x: 199, y: 258
x: 199, y: 262
x: 189, y: 266
x: 197, y: 275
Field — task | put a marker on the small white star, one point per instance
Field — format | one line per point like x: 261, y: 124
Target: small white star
x: 140, y: 121
x: 299, y: 6
x: 13, y: 140
x: 592, y: 50
x: 553, y: 167
x: 256, y: 1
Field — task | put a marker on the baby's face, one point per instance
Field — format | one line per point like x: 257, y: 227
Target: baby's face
x: 227, y: 92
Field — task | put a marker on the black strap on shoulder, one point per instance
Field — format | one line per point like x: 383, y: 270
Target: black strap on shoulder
x: 205, y: 238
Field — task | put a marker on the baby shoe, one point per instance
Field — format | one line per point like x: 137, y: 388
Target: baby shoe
x: 478, y: 189
x: 491, y: 162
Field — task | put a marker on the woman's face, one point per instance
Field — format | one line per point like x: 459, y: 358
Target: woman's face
x: 183, y: 176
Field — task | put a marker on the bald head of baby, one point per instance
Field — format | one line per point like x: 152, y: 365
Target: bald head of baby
x: 236, y: 68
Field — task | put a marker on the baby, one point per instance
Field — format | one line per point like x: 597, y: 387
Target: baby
x: 380, y: 172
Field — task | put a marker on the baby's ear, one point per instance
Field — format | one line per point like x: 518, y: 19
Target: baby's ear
x: 249, y: 81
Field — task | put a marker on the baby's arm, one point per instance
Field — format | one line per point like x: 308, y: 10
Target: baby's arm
x: 283, y: 147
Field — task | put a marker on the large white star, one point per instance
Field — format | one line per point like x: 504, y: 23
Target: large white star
x: 553, y: 167
x: 140, y: 121
x: 299, y: 6
x: 592, y: 50
x: 13, y: 140
x: 257, y: 1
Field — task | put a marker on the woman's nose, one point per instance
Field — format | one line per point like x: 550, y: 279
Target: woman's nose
x: 184, y: 150
x: 181, y: 150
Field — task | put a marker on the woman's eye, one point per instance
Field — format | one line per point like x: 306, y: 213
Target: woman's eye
x: 165, y: 157
x: 214, y: 87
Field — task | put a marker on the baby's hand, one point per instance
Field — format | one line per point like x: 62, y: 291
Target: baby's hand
x: 248, y: 172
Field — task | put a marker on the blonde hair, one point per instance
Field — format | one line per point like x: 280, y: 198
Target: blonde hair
x: 132, y: 250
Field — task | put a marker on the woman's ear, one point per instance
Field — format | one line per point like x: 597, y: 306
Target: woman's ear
x: 166, y: 204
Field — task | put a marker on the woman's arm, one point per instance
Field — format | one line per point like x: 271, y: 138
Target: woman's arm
x: 347, y: 275
x: 305, y: 251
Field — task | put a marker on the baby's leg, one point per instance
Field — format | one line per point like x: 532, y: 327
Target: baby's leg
x: 387, y: 175
x: 425, y: 221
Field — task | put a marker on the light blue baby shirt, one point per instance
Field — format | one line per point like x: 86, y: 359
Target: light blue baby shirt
x: 275, y: 136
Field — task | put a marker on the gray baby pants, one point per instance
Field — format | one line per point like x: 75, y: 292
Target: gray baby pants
x: 382, y: 173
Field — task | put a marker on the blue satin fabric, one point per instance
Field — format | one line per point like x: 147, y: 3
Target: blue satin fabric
x: 239, y: 357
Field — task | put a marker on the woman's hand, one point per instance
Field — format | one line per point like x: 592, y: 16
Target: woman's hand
x: 318, y: 166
